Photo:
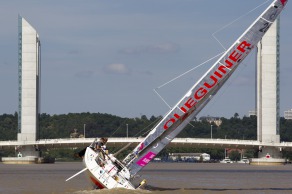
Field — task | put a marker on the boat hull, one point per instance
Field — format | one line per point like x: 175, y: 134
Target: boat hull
x: 105, y: 175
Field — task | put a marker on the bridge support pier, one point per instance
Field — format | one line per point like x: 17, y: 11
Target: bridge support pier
x: 29, y: 151
x: 268, y: 156
x: 26, y: 155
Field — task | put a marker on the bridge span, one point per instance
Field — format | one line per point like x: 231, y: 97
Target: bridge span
x: 122, y: 141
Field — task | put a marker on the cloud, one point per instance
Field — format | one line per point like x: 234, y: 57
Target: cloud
x: 163, y: 48
x: 116, y: 68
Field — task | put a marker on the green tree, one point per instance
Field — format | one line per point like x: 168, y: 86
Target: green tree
x: 234, y: 155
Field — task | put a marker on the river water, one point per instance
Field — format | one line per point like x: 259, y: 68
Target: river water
x: 162, y: 178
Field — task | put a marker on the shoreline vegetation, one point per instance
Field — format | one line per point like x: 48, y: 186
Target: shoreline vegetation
x: 76, y: 125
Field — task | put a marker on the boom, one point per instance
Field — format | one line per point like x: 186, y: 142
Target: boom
x: 202, y: 92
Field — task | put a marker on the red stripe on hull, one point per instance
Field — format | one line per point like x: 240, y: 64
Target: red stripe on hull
x: 97, y: 183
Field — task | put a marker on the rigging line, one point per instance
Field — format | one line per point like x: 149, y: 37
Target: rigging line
x: 189, y: 70
x: 118, y: 128
x: 235, y: 21
x: 162, y: 99
x: 168, y: 104
x: 155, y: 121
x: 155, y: 90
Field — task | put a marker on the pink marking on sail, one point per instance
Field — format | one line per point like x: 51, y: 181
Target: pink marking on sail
x: 146, y: 159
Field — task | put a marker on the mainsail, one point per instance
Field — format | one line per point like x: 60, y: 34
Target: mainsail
x: 202, y: 92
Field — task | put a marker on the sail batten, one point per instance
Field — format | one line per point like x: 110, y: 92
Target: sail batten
x: 202, y: 91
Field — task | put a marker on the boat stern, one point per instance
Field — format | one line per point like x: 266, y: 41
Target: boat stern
x: 106, y: 173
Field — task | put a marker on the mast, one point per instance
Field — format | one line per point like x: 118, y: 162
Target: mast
x: 202, y: 91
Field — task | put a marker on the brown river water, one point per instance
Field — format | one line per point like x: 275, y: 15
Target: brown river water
x: 162, y: 178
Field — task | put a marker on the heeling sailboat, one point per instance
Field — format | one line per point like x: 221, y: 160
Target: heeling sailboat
x: 114, y: 174
x: 202, y: 92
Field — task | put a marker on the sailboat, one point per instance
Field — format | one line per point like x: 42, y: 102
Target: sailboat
x: 120, y: 174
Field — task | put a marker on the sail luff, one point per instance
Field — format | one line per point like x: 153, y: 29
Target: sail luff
x: 202, y: 92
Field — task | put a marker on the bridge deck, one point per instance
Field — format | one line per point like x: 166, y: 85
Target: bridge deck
x: 120, y: 142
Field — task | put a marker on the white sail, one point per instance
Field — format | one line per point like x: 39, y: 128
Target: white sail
x: 201, y: 92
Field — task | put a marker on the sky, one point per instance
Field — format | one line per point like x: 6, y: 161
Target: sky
x: 109, y: 56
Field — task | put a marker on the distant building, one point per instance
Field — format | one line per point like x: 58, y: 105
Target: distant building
x: 76, y: 134
x: 216, y: 120
x: 252, y: 113
x: 189, y: 157
x: 288, y: 114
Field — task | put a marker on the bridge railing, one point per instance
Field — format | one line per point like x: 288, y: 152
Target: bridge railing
x: 122, y: 140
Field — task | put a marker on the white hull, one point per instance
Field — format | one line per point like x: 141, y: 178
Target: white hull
x: 110, y: 175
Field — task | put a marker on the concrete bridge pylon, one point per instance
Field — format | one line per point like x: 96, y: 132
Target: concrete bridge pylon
x: 268, y: 97
x: 28, y: 93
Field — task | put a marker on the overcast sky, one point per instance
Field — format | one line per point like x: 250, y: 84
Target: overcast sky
x: 108, y: 56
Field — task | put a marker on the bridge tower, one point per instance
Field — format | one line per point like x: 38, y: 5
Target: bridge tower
x: 28, y: 86
x: 268, y: 99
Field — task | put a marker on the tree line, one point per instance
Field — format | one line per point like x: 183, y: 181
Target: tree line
x: 106, y: 125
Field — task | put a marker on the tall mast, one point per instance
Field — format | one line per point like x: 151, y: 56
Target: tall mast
x: 202, y: 92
